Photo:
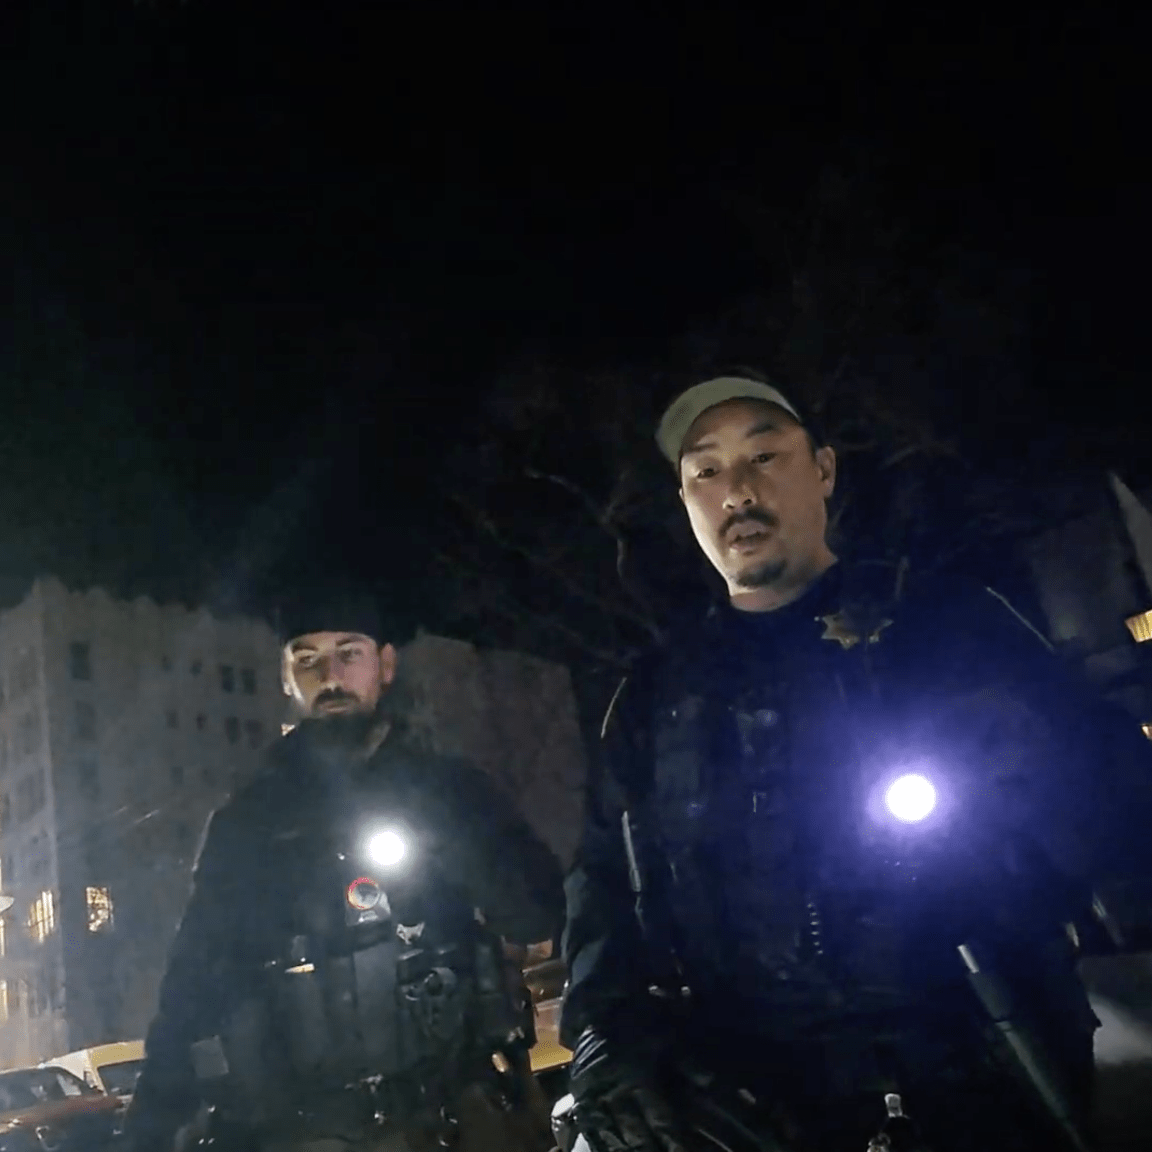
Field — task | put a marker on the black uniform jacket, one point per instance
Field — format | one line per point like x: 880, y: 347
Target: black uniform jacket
x: 268, y: 844
x: 752, y: 753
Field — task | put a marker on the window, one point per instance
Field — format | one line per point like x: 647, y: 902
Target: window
x: 227, y: 678
x: 172, y: 718
x: 165, y: 663
x: 201, y: 722
x: 99, y: 910
x: 1140, y: 626
x: 28, y: 733
x: 177, y: 773
x: 42, y: 916
x: 88, y: 777
x: 24, y: 674
x: 232, y: 729
x: 29, y: 796
x: 248, y: 681
x: 197, y: 667
x: 207, y: 775
x: 80, y: 660
x: 255, y: 732
x: 85, y: 721
x: 1147, y: 730
x: 5, y: 812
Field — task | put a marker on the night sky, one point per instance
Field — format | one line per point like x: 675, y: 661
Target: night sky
x: 267, y: 259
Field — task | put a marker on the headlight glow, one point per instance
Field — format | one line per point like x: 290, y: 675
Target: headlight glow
x: 387, y: 848
x: 910, y: 798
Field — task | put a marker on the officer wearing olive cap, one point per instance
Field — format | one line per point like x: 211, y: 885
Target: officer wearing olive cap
x: 840, y: 847
x: 338, y: 979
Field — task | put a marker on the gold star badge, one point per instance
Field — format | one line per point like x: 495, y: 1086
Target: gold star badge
x: 844, y: 629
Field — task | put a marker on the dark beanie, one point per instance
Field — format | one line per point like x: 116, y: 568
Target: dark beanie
x: 332, y: 608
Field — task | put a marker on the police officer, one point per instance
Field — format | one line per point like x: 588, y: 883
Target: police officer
x: 830, y: 886
x: 338, y: 979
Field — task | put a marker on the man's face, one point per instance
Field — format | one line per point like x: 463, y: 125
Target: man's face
x: 755, y: 493
x: 337, y: 673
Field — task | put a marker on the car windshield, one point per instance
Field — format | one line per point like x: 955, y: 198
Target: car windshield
x: 120, y: 1078
x: 16, y: 1092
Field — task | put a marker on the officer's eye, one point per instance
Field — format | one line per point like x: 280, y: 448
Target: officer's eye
x: 763, y: 457
x: 306, y: 661
x: 705, y: 473
x: 351, y: 655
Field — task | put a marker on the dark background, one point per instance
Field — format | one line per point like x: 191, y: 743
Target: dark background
x: 304, y: 288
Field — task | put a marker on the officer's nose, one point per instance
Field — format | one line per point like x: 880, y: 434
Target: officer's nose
x: 740, y: 492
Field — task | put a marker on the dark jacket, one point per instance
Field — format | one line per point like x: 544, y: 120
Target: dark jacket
x: 748, y: 753
x: 272, y: 841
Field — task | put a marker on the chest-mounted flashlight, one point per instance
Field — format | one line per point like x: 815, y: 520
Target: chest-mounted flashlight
x: 910, y: 798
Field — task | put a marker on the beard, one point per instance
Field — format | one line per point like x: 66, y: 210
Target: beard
x: 341, y: 733
x: 760, y: 575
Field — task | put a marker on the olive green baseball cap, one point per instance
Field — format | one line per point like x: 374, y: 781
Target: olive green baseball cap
x: 679, y: 415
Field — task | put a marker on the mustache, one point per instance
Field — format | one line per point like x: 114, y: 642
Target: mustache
x: 335, y: 696
x: 750, y: 515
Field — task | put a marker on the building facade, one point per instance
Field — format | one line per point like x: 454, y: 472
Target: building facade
x: 1090, y: 583
x: 124, y: 724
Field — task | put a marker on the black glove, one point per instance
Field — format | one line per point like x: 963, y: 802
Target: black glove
x: 619, y: 1103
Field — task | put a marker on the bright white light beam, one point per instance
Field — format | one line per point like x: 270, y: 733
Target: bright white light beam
x: 387, y: 848
x: 910, y: 798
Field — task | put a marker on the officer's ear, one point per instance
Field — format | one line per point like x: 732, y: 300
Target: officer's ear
x: 387, y: 665
x: 826, y: 465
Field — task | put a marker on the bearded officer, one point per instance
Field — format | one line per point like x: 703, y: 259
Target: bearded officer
x: 338, y: 980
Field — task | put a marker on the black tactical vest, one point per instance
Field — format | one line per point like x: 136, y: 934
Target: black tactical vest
x: 358, y: 975
x: 775, y: 879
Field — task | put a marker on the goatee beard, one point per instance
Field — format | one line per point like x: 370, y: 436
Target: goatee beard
x: 342, y: 734
x: 761, y: 577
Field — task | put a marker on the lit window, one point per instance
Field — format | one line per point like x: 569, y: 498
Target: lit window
x: 1140, y: 626
x: 99, y: 910
x: 42, y: 916
x: 80, y: 660
x: 285, y: 728
x: 1147, y: 730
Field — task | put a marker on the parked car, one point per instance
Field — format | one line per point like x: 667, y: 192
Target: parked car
x: 50, y: 1110
x: 111, y: 1068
